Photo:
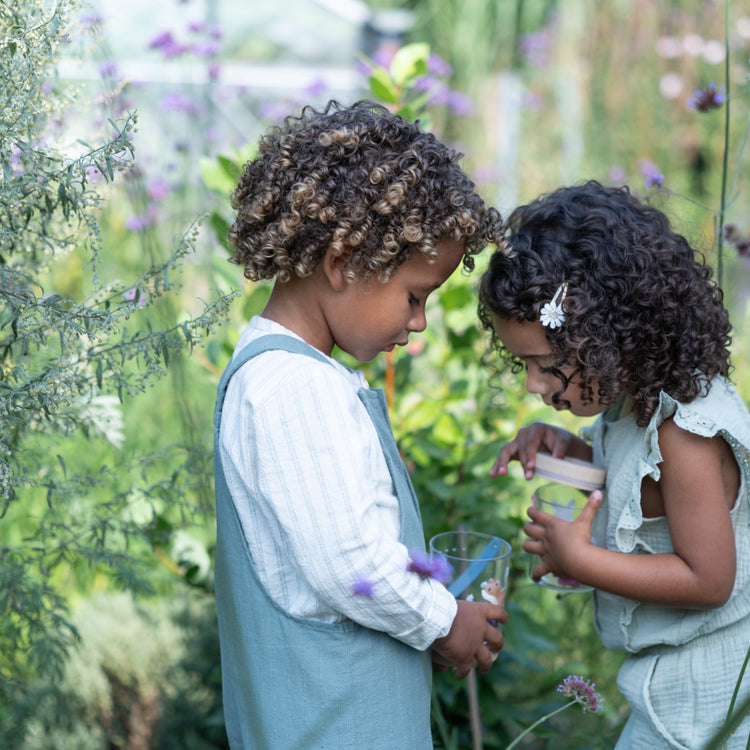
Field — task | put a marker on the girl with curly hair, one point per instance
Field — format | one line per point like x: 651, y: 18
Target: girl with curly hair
x: 612, y: 313
x: 325, y: 620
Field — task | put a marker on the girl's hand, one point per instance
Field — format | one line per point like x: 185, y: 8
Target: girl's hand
x: 528, y: 442
x: 557, y: 542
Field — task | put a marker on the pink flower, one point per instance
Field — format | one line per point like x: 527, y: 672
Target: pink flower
x: 581, y: 691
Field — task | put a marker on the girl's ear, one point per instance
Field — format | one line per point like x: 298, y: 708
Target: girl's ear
x: 333, y: 267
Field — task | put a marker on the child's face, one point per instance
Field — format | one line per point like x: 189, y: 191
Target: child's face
x: 527, y: 340
x: 373, y: 317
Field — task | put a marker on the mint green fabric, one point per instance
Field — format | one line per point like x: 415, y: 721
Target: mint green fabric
x: 683, y: 664
x: 295, y: 684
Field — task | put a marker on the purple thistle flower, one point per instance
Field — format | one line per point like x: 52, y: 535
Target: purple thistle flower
x: 429, y: 566
x: 581, y: 691
x: 708, y: 98
x: 363, y: 587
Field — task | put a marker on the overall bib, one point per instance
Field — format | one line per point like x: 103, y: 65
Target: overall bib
x: 296, y: 684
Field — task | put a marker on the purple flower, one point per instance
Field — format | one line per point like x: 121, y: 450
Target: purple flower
x: 316, y: 88
x: 138, y: 223
x: 740, y: 241
x: 179, y: 102
x: 167, y: 44
x: 205, y: 48
x: 535, y: 48
x: 708, y: 98
x: 581, y: 691
x: 158, y: 189
x: 439, y: 67
x: 429, y: 566
x: 108, y: 69
x: 654, y: 178
x: 363, y: 587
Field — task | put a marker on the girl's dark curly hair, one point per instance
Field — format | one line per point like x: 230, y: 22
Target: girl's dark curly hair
x: 642, y: 312
x: 360, y: 180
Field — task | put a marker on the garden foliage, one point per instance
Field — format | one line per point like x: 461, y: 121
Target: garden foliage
x: 99, y: 471
x: 73, y: 503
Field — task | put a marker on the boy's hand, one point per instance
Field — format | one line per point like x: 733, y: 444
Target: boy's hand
x: 527, y: 443
x: 558, y: 542
x: 473, y: 640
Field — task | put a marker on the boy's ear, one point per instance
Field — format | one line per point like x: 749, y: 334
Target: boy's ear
x: 333, y: 267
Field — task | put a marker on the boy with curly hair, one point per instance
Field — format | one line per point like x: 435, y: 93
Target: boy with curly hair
x: 358, y: 216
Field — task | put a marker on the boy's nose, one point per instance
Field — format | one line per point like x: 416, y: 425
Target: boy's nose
x: 418, y: 321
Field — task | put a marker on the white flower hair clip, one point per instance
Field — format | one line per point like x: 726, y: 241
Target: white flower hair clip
x: 552, y: 314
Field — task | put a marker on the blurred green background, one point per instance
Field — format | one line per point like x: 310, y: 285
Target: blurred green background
x: 119, y: 310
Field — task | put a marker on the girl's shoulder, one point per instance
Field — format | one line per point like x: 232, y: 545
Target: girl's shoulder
x: 720, y: 409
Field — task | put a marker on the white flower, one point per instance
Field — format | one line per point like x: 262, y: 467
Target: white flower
x: 552, y: 315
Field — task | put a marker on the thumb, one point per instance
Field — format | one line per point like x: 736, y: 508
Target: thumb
x: 592, y: 506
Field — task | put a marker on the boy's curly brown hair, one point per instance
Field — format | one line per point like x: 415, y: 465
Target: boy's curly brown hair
x: 642, y: 313
x: 357, y: 179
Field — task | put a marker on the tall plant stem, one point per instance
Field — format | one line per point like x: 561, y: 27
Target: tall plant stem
x: 530, y: 729
x: 725, y: 161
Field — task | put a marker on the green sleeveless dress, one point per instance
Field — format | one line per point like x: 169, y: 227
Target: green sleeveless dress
x: 682, y: 664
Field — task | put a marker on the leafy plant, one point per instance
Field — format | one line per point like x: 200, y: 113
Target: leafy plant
x: 70, y: 364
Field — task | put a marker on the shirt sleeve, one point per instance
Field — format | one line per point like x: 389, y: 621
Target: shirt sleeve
x: 322, y: 487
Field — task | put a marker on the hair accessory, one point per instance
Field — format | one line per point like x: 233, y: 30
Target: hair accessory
x: 552, y: 314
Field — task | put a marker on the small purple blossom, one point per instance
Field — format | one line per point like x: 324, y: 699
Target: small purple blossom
x: 167, y: 45
x: 708, y: 98
x: 158, y: 189
x: 581, y: 691
x: 740, y: 241
x: 179, y: 102
x: 429, y: 566
x: 439, y: 67
x: 205, y: 48
x: 363, y: 587
x: 535, y: 48
x: 108, y: 69
x: 654, y: 178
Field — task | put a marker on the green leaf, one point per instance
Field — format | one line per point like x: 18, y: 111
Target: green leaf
x: 410, y: 62
x: 383, y: 87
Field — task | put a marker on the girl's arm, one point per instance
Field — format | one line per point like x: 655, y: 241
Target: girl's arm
x: 530, y: 440
x: 698, y: 486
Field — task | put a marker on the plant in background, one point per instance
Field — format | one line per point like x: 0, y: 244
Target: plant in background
x: 580, y: 691
x: 71, y: 363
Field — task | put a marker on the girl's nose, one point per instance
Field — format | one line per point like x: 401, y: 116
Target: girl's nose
x: 535, y: 382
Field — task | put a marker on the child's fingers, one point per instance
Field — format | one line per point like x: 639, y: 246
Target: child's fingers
x: 507, y: 453
x: 591, y: 507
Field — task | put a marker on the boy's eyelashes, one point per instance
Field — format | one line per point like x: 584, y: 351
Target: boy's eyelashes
x: 414, y: 301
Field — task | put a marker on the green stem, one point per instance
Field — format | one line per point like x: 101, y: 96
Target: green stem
x: 738, y: 683
x: 538, y: 722
x: 725, y: 164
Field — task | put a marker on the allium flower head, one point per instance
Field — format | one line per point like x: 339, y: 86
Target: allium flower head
x: 708, y: 98
x: 429, y: 566
x: 581, y: 691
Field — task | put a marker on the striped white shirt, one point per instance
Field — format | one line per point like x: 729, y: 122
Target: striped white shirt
x: 314, y: 496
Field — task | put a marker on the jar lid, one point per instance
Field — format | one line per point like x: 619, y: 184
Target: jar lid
x: 572, y: 471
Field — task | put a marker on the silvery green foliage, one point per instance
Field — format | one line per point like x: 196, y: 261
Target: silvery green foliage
x: 67, y: 366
